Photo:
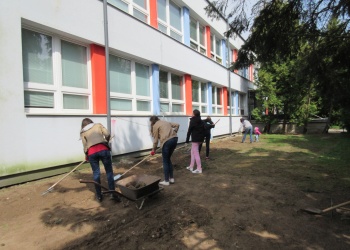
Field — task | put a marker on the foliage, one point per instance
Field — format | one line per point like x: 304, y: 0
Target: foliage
x: 303, y: 48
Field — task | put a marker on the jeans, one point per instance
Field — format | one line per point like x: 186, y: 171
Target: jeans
x: 250, y: 130
x: 105, y: 157
x: 207, y: 143
x: 256, y: 138
x: 167, y: 150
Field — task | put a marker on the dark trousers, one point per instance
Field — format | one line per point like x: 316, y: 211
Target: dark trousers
x: 167, y: 150
x: 105, y: 157
x: 207, y: 143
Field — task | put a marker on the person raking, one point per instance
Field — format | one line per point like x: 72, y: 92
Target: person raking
x: 95, y: 138
x: 165, y: 133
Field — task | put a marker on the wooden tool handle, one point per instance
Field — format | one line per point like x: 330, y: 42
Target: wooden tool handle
x: 137, y: 164
x: 334, y: 207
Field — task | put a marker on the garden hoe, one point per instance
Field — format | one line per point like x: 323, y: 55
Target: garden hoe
x: 319, y: 211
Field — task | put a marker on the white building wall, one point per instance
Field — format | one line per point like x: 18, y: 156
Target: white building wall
x: 31, y: 142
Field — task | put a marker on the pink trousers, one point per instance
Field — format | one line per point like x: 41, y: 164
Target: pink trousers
x: 195, y: 155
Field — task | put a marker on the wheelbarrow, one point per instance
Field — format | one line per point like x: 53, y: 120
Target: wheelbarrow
x: 149, y: 186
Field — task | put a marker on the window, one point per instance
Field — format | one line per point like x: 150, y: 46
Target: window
x: 241, y: 104
x: 215, y: 49
x: 243, y: 72
x: 169, y: 19
x: 55, y: 74
x: 217, y: 107
x: 232, y: 102
x: 197, y: 36
x: 129, y: 85
x: 199, y: 96
x: 171, y: 93
x: 229, y: 53
x: 137, y: 8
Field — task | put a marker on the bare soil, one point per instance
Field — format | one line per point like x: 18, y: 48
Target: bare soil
x: 246, y: 198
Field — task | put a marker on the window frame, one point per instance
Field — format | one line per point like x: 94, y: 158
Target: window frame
x: 132, y: 6
x: 57, y: 88
x: 133, y: 97
x: 215, y: 105
x: 167, y: 25
x: 196, y: 44
x: 232, y: 102
x: 200, y: 103
x: 241, y: 98
x: 214, y: 55
x: 170, y: 101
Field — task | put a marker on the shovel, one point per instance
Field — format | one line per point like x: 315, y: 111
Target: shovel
x: 319, y: 211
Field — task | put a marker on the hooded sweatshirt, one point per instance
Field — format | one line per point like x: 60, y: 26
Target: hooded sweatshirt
x: 93, y: 134
x: 256, y: 131
x: 195, y: 130
x: 164, y: 131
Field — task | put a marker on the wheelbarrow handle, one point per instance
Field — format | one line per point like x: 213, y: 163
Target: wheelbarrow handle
x: 94, y: 182
x: 103, y: 187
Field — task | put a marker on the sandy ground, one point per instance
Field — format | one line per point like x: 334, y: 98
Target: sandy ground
x: 246, y: 198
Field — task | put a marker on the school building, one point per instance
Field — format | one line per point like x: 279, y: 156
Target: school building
x: 165, y: 57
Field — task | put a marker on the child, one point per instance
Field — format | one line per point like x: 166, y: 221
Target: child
x: 207, y: 135
x: 257, y: 133
x: 197, y: 133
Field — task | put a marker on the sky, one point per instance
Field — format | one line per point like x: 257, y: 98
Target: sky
x: 250, y: 4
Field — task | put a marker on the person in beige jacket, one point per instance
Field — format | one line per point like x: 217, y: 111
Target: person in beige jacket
x: 166, y: 134
x: 95, y: 138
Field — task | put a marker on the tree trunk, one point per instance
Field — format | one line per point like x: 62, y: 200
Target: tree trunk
x: 306, y: 118
x: 328, y: 124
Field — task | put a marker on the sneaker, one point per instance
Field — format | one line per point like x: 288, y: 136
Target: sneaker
x: 115, y: 198
x: 99, y: 198
x: 165, y: 183
x: 197, y: 171
x: 207, y: 158
x: 189, y: 168
x: 172, y: 180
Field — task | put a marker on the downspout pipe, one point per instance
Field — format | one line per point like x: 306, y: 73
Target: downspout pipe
x: 108, y: 95
x: 229, y: 80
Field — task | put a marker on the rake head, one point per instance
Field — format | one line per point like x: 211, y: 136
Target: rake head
x: 312, y: 210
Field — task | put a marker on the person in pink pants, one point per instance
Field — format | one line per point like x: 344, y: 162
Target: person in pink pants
x: 196, y: 131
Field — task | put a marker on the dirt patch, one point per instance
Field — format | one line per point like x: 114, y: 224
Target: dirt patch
x: 248, y: 197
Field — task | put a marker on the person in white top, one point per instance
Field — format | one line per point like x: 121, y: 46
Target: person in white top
x: 247, y: 126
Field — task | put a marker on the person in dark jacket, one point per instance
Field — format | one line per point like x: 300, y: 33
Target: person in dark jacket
x: 196, y: 131
x: 207, y: 128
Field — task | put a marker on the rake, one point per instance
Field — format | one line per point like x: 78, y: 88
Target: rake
x: 118, y: 176
x: 51, y: 188
x: 319, y: 211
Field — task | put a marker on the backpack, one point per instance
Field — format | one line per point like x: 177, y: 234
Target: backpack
x: 207, y: 126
